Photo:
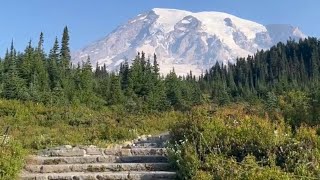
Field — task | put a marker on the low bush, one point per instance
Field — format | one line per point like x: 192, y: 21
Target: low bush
x: 41, y: 126
x: 11, y: 160
x: 38, y: 126
x: 237, y: 144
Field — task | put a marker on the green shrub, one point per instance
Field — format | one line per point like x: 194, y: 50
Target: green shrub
x: 11, y: 160
x: 242, y: 145
x: 184, y: 158
x: 40, y: 126
x: 296, y: 108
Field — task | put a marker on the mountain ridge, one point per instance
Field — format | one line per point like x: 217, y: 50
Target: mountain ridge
x: 185, y: 40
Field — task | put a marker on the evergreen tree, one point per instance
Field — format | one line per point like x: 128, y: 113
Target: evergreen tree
x: 155, y: 65
x: 13, y: 85
x: 115, y: 94
x: 124, y: 75
x: 40, y: 43
x: 173, y: 92
x: 65, y: 50
x: 87, y: 83
x: 40, y: 65
x: 87, y: 77
x: 27, y: 63
x: 53, y: 66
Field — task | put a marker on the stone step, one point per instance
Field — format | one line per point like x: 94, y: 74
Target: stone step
x: 97, y: 167
x: 148, y: 151
x: 78, y: 152
x: 147, y: 145
x: 39, y: 160
x: 152, y: 139
x: 158, y: 138
x: 143, y: 159
x: 132, y: 175
x: 136, y: 151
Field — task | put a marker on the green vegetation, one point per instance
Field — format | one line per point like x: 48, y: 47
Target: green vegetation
x: 11, y: 160
x: 38, y: 126
x: 53, y: 80
x: 48, y: 101
x: 283, y: 68
x: 241, y: 142
x: 277, y: 137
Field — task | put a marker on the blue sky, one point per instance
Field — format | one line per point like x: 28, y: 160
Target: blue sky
x: 89, y: 20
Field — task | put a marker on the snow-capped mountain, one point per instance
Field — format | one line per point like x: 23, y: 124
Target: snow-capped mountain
x: 185, y: 40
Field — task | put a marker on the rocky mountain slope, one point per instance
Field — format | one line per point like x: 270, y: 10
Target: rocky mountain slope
x: 185, y: 40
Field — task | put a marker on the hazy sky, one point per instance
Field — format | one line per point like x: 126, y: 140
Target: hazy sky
x: 89, y: 20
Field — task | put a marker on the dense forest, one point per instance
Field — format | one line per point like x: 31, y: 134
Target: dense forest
x: 53, y: 79
x: 258, y: 118
x: 285, y: 67
x: 33, y: 75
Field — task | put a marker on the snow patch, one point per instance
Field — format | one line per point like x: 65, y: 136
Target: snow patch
x: 185, y: 21
x: 84, y: 56
x: 168, y: 18
x: 107, y: 61
x: 182, y: 28
x: 148, y: 49
x: 139, y: 19
x: 118, y: 62
x: 298, y: 33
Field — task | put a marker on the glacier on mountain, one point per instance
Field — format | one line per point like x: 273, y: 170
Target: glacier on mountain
x: 185, y: 40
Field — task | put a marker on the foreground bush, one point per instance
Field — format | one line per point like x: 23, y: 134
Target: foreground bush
x: 241, y: 145
x: 11, y: 160
x: 40, y: 126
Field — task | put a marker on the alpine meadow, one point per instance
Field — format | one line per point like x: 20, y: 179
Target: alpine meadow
x: 171, y: 94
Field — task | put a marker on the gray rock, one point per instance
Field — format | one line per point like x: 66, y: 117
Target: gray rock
x: 63, y: 152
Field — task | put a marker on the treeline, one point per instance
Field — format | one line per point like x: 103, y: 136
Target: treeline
x: 140, y: 87
x: 33, y: 75
x: 51, y: 78
x: 283, y: 68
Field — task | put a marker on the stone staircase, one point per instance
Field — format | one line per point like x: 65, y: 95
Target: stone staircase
x: 144, y: 158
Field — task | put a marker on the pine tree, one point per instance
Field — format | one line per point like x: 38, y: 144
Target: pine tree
x: 65, y: 50
x: 53, y: 66
x: 173, y: 92
x: 124, y: 75
x: 1, y: 75
x: 156, y: 68
x: 136, y: 75
x: 315, y: 67
x: 87, y: 77
x: 27, y: 63
x: 13, y: 85
x: 115, y: 94
x: 40, y: 65
x: 40, y: 43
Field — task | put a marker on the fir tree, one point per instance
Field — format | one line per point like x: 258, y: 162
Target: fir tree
x: 155, y: 65
x: 65, y: 50
x: 53, y: 66
x: 13, y: 85
x: 115, y: 93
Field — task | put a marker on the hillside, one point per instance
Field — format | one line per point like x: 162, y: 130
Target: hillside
x: 46, y: 102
